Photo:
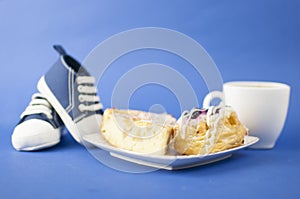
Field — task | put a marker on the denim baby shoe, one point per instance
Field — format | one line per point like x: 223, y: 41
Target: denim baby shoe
x: 40, y: 127
x: 71, y: 91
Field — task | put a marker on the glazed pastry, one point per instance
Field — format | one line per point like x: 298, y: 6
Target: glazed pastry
x: 137, y: 131
x: 204, y: 131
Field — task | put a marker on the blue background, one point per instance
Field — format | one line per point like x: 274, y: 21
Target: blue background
x: 248, y: 40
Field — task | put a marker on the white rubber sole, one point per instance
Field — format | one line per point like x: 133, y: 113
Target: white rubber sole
x: 39, y: 147
x: 68, y: 121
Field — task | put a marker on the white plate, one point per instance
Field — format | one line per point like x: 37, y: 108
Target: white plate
x: 170, y: 162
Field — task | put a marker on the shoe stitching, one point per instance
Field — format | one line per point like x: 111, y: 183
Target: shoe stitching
x: 69, y: 108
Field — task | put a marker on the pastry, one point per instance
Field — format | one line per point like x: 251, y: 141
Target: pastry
x: 137, y: 131
x: 204, y: 131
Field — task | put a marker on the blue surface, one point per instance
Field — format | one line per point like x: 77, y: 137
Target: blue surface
x: 248, y: 40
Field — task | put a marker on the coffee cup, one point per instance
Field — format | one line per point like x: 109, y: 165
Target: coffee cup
x: 261, y: 106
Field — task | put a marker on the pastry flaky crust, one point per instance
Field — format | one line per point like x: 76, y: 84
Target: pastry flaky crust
x: 227, y: 133
x: 137, y: 131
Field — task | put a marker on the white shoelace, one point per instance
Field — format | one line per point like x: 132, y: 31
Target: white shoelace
x: 38, y: 105
x: 88, y: 93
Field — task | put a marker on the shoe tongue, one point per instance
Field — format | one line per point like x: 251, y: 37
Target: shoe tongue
x: 83, y: 72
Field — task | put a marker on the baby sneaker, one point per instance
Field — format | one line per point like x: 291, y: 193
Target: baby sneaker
x: 40, y: 127
x: 71, y: 91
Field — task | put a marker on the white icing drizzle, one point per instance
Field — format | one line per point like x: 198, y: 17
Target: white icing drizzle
x: 213, y: 118
x: 212, y: 121
x: 183, y: 125
x: 187, y: 120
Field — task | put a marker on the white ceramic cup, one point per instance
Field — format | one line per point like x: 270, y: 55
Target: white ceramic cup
x: 261, y: 106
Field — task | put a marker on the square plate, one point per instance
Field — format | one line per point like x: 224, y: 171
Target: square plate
x: 169, y: 162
